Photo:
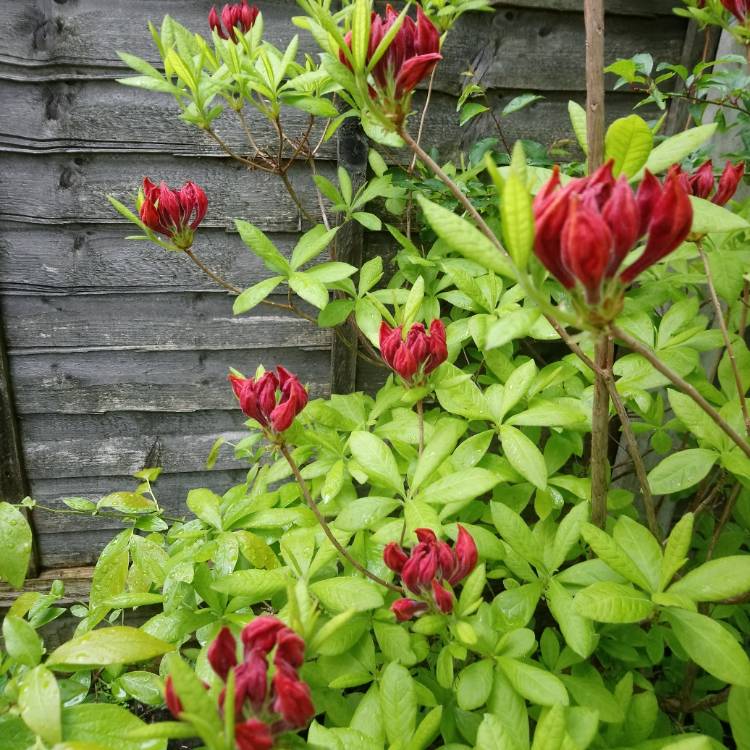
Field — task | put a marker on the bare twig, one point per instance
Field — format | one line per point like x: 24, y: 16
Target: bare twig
x: 600, y: 434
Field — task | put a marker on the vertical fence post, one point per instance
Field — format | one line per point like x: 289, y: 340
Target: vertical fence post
x: 14, y: 485
x: 352, y: 156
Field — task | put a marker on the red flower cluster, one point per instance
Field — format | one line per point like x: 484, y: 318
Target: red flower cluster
x: 740, y: 9
x: 410, y: 57
x: 233, y: 16
x: 173, y: 213
x: 259, y: 398
x: 585, y: 229
x: 261, y: 713
x: 425, y: 571
x: 702, y: 182
x: 417, y: 356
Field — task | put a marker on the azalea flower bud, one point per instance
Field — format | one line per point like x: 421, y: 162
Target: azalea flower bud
x: 233, y: 16
x: 728, y: 183
x: 251, y: 681
x: 292, y: 702
x: 466, y: 555
x: 290, y: 649
x: 623, y: 218
x: 420, y: 568
x: 406, y: 609
x: 170, y: 698
x: 259, y: 400
x: 419, y: 355
x: 261, y: 633
x: 443, y: 597
x: 649, y: 192
x: 253, y: 734
x: 740, y: 9
x: 394, y: 557
x: 222, y: 653
x: 175, y: 214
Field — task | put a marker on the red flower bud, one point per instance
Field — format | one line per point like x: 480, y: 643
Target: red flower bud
x: 419, y: 355
x: 290, y: 649
x: 466, y: 554
x: 292, y: 701
x: 420, y: 568
x: 394, y: 557
x: 170, y: 698
x: 251, y: 681
x: 253, y: 735
x: 443, y: 597
x: 258, y: 398
x: 669, y: 226
x: 233, y: 16
x: 414, y: 70
x: 261, y: 634
x: 222, y: 653
x: 173, y: 213
x: 738, y: 8
x: 586, y: 247
x: 728, y: 183
x: 623, y: 219
x: 649, y: 192
x: 405, y: 609
x: 702, y: 181
x: 550, y: 219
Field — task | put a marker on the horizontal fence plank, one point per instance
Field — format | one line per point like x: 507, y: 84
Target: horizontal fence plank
x: 613, y: 7
x: 528, y: 47
x: 60, y: 189
x: 77, y: 582
x: 72, y: 548
x: 109, y: 382
x: 174, y: 322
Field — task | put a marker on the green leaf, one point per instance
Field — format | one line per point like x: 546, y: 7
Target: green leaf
x: 493, y: 735
x: 535, y: 684
x: 130, y: 503
x: 255, y: 585
x: 710, y: 646
x: 695, y: 419
x: 642, y: 547
x: 517, y: 385
x: 309, y: 289
x: 474, y: 684
x: 91, y: 726
x: 676, y: 549
x: 335, y: 313
x: 111, y: 570
x: 513, y: 529
x: 524, y: 456
x: 576, y: 629
x: 427, y: 730
x: 739, y: 715
x: 255, y: 294
x: 261, y: 246
x: 21, y: 641
x: 442, y: 443
x: 518, y: 220
x: 681, y: 470
x: 577, y: 116
x: 205, y: 505
x: 613, y: 602
x: 368, y: 220
x: 550, y: 730
x: 677, y: 147
x: 471, y: 110
x: 568, y: 533
x: 15, y: 734
x: 465, y: 238
x: 363, y: 512
x: 118, y: 644
x: 708, y: 218
x: 194, y: 698
x: 460, y: 486
x: 413, y: 303
x: 369, y: 275
x: 39, y: 701
x: 629, y: 142
x: 376, y: 459
x: 360, y: 33
x: 342, y: 594
x: 723, y: 578
x: 518, y: 103
x: 15, y: 545
x: 311, y: 244
x: 398, y: 702
x: 609, y: 551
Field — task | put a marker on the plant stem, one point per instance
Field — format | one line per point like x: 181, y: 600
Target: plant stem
x: 600, y: 433
x: 221, y: 282
x: 745, y: 306
x: 326, y: 528
x: 420, y: 418
x: 725, y: 515
x: 637, y: 347
x: 593, y: 14
x: 725, y: 334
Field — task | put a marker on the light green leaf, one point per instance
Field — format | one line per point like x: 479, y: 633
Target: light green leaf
x: 676, y: 549
x: 474, y: 684
x: 311, y: 244
x: 524, y: 456
x: 739, y: 716
x: 710, y: 646
x: 342, y: 594
x: 442, y: 443
x: 708, y: 218
x: 608, y: 550
x: 695, y: 419
x: 550, y: 730
x: 39, y: 701
x: 723, y: 578
x: 677, y: 147
x: 681, y: 470
x: 398, y: 701
x: 427, y: 730
x: 21, y: 641
x: 111, y: 570
x: 535, y: 684
x: 118, y: 644
x: 15, y: 545
x: 261, y: 246
x: 629, y: 142
x: 460, y: 486
x: 568, y: 533
x: 613, y: 602
x: 576, y: 629
x: 309, y: 289
x: 255, y: 585
x: 376, y: 459
x: 255, y: 294
x: 577, y: 116
x: 493, y: 735
x: 205, y: 505
x: 642, y: 547
x: 95, y: 726
x: 518, y: 220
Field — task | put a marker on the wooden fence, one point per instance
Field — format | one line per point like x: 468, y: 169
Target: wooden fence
x: 115, y: 353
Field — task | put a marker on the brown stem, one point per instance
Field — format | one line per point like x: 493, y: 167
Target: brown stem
x: 725, y: 334
x: 293, y: 194
x: 422, y: 117
x: 593, y: 14
x: 420, y: 418
x: 714, y: 102
x: 230, y: 152
x: 600, y: 434
x: 251, y: 140
x: 683, y: 385
x: 745, y: 307
x: 221, y: 282
x: 725, y: 516
x: 326, y: 528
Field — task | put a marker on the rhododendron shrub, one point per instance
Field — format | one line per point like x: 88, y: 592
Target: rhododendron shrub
x: 530, y: 532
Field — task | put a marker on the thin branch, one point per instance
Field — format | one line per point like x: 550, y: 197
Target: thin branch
x: 600, y: 434
x: 725, y: 334
x: 689, y: 390
x: 745, y: 307
x: 221, y: 282
x: 326, y: 528
x: 725, y: 516
x: 593, y: 13
x: 228, y: 150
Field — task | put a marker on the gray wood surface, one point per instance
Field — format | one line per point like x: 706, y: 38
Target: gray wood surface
x: 115, y: 347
